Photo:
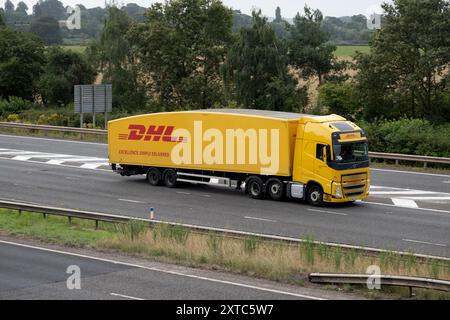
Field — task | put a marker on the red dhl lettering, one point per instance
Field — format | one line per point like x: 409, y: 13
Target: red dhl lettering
x: 153, y: 133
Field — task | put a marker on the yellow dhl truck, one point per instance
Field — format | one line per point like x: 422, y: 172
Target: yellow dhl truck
x: 270, y: 154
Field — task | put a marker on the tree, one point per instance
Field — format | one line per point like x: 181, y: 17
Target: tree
x: 309, y: 49
x: 2, y: 21
x: 51, y: 8
x: 278, y: 18
x: 339, y: 98
x: 21, y: 63
x: 181, y: 47
x: 22, y: 8
x: 404, y: 74
x: 63, y: 70
x: 256, y: 70
x: 47, y: 28
x: 9, y: 7
x: 113, y: 56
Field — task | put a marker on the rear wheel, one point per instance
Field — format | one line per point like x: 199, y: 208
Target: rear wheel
x: 276, y: 190
x: 256, y: 188
x: 170, y: 178
x: 315, y: 195
x: 154, y: 177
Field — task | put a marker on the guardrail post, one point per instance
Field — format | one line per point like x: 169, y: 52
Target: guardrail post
x: 411, y: 293
x: 20, y: 212
x: 96, y: 224
x: 70, y: 220
x: 396, y: 162
x: 44, y: 215
x: 425, y: 165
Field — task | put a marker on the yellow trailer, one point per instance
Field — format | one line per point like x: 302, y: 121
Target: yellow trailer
x: 275, y: 154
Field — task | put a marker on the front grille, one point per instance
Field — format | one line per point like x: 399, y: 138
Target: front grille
x: 354, y: 184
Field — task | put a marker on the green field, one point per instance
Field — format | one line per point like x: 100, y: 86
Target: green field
x: 350, y: 51
x: 341, y: 51
x: 79, y: 49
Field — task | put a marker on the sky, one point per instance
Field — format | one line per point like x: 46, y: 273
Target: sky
x: 289, y: 8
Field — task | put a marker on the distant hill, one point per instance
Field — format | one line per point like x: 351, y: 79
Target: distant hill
x: 342, y: 30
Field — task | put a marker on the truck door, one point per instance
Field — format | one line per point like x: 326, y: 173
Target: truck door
x: 322, y: 172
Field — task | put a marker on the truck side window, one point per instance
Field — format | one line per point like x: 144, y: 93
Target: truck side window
x: 319, y: 151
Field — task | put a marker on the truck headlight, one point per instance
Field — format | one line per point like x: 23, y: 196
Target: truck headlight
x: 337, y: 191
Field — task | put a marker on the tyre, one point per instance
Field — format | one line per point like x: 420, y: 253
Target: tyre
x: 170, y: 178
x: 154, y: 177
x: 255, y: 188
x: 276, y: 190
x: 315, y: 195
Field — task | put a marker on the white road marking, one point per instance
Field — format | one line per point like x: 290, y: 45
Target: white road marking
x: 132, y: 201
x: 39, y: 155
x: 411, y: 172
x: 329, y: 212
x: 57, y: 164
x: 182, y: 192
x: 125, y: 296
x: 404, y: 203
x: 447, y: 182
x: 176, y: 273
x: 393, y: 205
x: 53, y: 140
x: 93, y: 165
x: 405, y: 192
x: 430, y: 198
x: 260, y: 219
x: 424, y: 242
x: 17, y: 152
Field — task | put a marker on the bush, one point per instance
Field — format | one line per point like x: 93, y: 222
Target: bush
x: 14, y: 105
x: 339, y: 98
x: 409, y: 136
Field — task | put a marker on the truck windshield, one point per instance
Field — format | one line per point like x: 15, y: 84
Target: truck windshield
x: 351, y: 152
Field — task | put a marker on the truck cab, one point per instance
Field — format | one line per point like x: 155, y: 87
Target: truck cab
x: 331, y: 160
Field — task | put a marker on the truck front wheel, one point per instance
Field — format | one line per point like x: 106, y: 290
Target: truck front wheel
x: 154, y: 177
x: 315, y: 195
x: 170, y: 178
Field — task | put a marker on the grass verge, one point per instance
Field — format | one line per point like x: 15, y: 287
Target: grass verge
x: 277, y: 261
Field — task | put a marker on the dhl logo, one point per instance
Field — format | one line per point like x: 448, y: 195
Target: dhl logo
x: 153, y: 133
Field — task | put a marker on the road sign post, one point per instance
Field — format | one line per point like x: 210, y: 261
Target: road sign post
x: 93, y: 99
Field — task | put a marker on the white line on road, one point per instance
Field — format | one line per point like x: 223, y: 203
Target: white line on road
x: 94, y: 165
x: 132, y: 201
x: 57, y: 164
x: 405, y: 203
x: 404, y: 192
x: 329, y: 212
x: 393, y: 205
x: 424, y: 242
x: 125, y: 296
x: 182, y: 192
x: 53, y: 140
x: 260, y: 219
x: 176, y: 273
x: 411, y: 172
x: 429, y: 198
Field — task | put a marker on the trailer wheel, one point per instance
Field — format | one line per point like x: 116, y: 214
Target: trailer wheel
x: 315, y: 195
x: 154, y: 177
x: 276, y: 190
x: 170, y: 178
x: 255, y: 188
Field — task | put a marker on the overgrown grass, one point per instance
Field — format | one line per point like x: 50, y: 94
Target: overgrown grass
x: 350, y: 51
x: 273, y: 260
x: 76, y: 48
